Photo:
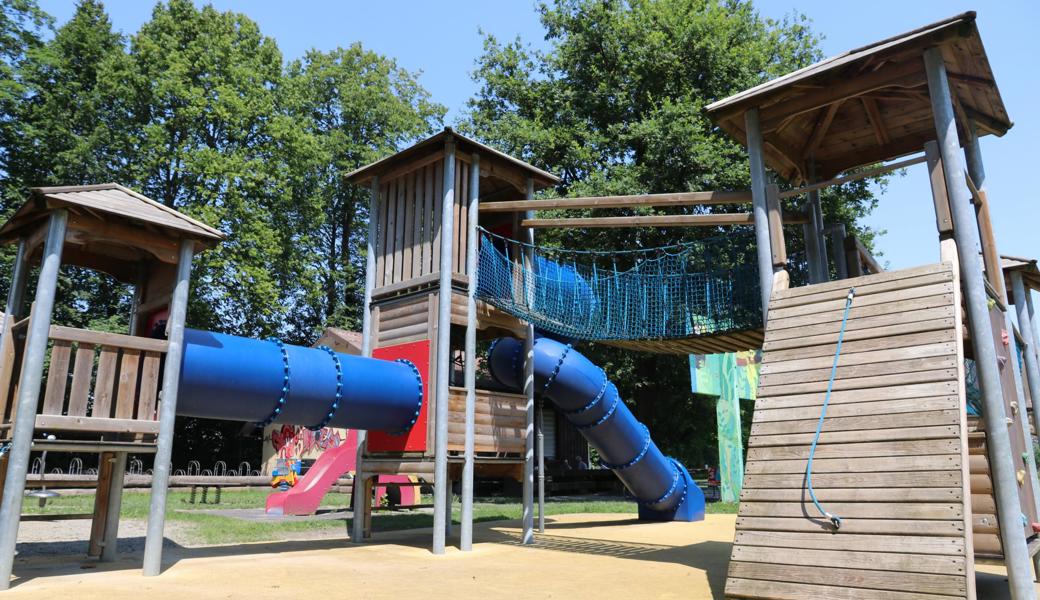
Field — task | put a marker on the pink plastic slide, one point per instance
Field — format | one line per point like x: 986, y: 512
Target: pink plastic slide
x: 305, y: 497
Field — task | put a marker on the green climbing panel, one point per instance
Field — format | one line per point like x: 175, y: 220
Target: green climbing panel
x: 731, y: 377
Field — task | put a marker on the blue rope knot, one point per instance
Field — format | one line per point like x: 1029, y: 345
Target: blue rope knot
x: 638, y: 457
x: 285, y: 385
x: 339, y: 390
x: 418, y: 406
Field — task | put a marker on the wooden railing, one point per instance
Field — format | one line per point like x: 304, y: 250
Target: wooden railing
x: 101, y: 382
x: 858, y: 258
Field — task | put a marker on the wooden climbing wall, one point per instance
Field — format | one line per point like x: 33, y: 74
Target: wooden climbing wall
x: 892, y: 458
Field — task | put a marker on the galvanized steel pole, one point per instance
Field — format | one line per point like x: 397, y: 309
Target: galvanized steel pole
x: 357, y: 529
x: 168, y: 411
x: 528, y: 487
x: 29, y: 393
x: 539, y: 425
x: 440, y: 465
x: 1035, y: 341
x: 965, y: 231
x: 16, y: 294
x: 472, y: 241
x: 1025, y: 326
x: 758, y: 199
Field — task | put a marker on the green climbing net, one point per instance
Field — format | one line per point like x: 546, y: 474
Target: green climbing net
x: 693, y: 289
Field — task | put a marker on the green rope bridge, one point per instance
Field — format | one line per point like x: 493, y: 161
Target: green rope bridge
x: 695, y: 289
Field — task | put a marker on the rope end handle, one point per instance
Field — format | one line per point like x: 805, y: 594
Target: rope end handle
x: 835, y: 520
x: 852, y: 294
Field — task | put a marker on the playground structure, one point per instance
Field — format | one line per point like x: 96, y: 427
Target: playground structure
x: 925, y: 489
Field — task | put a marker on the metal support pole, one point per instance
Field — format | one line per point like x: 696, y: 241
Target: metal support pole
x: 540, y: 426
x: 528, y: 491
x: 813, y: 232
x: 357, y: 529
x: 758, y: 199
x: 448, y: 509
x: 443, y: 368
x: 16, y: 294
x: 472, y: 242
x: 115, y: 503
x: 1025, y: 327
x: 1034, y: 342
x: 29, y: 393
x: 841, y: 270
x: 825, y: 270
x: 168, y: 411
x: 1005, y: 484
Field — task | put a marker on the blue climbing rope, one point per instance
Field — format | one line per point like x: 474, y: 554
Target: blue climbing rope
x: 835, y: 519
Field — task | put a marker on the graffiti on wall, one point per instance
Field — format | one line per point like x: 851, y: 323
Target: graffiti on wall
x: 291, y: 441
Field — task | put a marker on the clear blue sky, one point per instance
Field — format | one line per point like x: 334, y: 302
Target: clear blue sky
x: 442, y: 40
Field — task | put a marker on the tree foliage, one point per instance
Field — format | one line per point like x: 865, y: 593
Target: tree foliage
x: 615, y: 105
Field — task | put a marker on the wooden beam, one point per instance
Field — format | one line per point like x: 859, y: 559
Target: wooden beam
x: 986, y: 122
x: 907, y: 74
x: 854, y: 177
x: 823, y: 124
x: 633, y: 201
x: 776, y: 226
x: 874, y: 116
x: 710, y: 220
x: 988, y: 241
x: 943, y: 219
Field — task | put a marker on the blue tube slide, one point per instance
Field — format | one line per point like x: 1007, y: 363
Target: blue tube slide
x: 582, y: 392
x: 241, y: 379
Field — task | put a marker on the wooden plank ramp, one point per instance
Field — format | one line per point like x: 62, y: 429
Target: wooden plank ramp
x: 892, y: 459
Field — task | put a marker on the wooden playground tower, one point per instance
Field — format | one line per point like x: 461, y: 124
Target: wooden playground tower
x: 114, y: 404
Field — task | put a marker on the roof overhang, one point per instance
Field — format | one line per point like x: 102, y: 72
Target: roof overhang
x: 869, y: 104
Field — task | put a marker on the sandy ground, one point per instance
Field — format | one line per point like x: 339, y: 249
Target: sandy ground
x: 579, y: 556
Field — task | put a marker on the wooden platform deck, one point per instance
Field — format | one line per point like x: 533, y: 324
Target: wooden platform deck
x: 892, y: 460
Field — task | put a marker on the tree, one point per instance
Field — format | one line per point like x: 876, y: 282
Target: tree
x: 358, y: 106
x: 615, y: 105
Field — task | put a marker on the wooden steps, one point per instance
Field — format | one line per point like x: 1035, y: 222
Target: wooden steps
x: 892, y: 460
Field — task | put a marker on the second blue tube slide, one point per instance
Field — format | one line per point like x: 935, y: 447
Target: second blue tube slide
x: 582, y: 392
x: 242, y: 379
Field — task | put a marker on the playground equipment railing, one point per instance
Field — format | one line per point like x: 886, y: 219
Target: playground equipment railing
x: 95, y: 381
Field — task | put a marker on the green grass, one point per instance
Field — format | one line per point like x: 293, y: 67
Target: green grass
x: 208, y: 528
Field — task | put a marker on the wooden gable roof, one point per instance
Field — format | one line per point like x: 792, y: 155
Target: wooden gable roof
x: 498, y: 170
x: 109, y: 200
x: 869, y: 104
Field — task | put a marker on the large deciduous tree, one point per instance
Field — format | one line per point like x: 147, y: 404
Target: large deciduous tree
x: 615, y: 104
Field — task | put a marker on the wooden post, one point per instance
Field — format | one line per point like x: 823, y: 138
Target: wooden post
x: 168, y: 411
x: 443, y: 366
x: 104, y: 486
x: 776, y: 228
x: 977, y: 173
x: 757, y: 163
x: 853, y: 264
x: 998, y: 440
x: 29, y: 383
x: 115, y: 503
x: 937, y: 179
x: 838, y: 250
x: 357, y: 532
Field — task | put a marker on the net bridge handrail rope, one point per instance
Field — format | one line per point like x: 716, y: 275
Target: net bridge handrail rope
x: 690, y: 289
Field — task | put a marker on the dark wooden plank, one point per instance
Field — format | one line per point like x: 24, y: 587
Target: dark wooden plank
x: 105, y: 382
x: 57, y: 378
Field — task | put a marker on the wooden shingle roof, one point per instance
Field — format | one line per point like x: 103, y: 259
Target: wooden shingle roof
x: 1026, y: 266
x: 869, y: 104
x: 114, y: 200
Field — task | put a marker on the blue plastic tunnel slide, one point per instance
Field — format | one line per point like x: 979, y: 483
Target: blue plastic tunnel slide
x: 241, y: 379
x: 582, y: 392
